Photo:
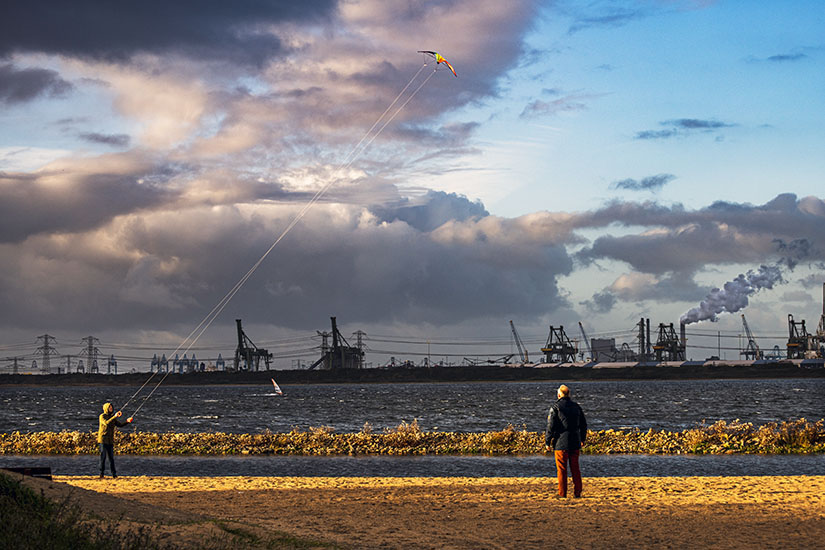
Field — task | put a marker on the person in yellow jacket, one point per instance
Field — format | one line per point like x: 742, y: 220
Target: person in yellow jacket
x: 106, y: 436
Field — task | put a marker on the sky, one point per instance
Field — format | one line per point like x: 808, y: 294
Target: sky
x: 592, y: 161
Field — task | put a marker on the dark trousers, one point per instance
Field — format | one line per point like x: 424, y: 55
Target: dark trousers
x: 563, y: 458
x: 107, y: 450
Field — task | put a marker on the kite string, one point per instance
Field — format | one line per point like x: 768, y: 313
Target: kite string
x: 312, y: 201
x: 394, y: 101
x: 228, y: 296
x: 355, y: 153
x: 399, y: 109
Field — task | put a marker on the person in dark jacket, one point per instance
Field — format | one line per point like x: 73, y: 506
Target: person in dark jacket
x: 566, y: 431
x: 106, y: 436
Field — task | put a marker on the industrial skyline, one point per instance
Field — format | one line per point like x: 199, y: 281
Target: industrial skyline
x: 598, y: 162
x: 311, y: 350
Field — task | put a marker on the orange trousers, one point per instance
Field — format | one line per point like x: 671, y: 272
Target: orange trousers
x: 563, y: 458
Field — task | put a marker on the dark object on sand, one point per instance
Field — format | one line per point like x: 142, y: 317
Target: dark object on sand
x: 42, y: 472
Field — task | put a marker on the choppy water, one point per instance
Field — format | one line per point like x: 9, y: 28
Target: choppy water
x: 433, y: 466
x: 463, y: 407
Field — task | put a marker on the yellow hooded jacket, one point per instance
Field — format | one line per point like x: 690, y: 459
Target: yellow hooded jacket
x: 108, y: 421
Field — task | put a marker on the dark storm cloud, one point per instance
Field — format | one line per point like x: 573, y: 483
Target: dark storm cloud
x: 682, y: 127
x: 678, y: 285
x: 175, y: 266
x: 117, y: 140
x: 21, y: 85
x: 436, y: 209
x: 115, y: 31
x: 402, y: 275
x: 37, y: 204
x: 638, y: 288
x: 601, y: 302
x: 814, y: 280
x: 793, y: 252
x: 722, y: 233
x: 650, y: 183
x: 668, y: 251
x: 501, y: 38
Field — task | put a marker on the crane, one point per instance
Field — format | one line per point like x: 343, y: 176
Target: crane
x: 522, y: 351
x: 751, y: 350
x: 586, y: 341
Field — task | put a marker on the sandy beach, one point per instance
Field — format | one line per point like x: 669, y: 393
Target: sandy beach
x: 615, y: 512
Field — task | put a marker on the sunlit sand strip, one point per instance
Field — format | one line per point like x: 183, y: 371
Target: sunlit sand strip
x: 626, y: 489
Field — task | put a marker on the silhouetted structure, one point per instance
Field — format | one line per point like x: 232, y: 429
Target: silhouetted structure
x: 669, y: 346
x: 341, y: 355
x: 249, y: 353
x: 559, y: 348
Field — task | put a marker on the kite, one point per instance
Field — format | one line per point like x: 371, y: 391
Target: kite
x: 438, y: 59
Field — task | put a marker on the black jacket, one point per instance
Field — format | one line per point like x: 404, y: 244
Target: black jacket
x: 566, y: 426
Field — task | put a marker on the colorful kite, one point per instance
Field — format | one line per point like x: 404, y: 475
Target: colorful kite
x: 438, y: 59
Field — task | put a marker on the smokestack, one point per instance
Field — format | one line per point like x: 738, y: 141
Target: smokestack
x: 682, y: 334
x: 647, y: 350
x: 821, y: 329
x: 642, y: 348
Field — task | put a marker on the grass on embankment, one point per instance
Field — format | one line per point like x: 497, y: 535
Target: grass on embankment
x: 790, y: 437
x: 33, y: 521
x: 29, y: 520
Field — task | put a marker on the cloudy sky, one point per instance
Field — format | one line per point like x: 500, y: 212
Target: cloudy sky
x: 595, y: 161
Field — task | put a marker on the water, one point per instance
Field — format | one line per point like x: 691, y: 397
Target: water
x: 432, y: 466
x: 462, y: 407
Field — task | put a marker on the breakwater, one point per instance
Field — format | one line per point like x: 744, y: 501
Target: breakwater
x: 789, y: 437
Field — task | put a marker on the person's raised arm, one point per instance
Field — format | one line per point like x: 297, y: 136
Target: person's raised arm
x: 113, y: 418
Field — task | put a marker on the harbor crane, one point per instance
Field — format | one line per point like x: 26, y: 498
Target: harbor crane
x: 669, y: 346
x: 798, y: 338
x: 751, y: 350
x: 586, y: 342
x: 341, y: 355
x: 522, y: 351
x: 559, y: 348
x: 248, y: 356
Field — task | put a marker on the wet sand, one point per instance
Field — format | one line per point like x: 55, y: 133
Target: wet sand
x: 615, y: 512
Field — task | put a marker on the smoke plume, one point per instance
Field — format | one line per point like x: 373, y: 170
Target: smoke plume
x: 734, y: 295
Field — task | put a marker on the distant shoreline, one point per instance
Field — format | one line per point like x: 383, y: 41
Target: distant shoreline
x: 602, y: 372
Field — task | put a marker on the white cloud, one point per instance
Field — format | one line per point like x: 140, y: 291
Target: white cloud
x: 28, y: 159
